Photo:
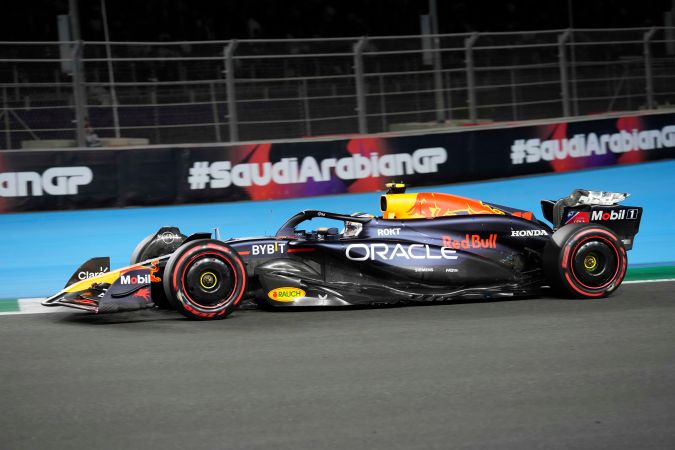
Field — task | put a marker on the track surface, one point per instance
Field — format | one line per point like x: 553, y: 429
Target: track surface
x: 537, y: 373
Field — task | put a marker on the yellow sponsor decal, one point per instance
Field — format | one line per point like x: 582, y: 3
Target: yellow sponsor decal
x: 286, y: 294
x: 107, y: 277
x: 113, y: 275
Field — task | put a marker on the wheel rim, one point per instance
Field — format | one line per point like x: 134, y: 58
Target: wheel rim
x: 595, y: 263
x: 590, y: 262
x: 208, y: 281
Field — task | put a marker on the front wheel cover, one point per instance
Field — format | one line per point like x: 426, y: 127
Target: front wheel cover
x: 204, y: 279
x: 585, y: 261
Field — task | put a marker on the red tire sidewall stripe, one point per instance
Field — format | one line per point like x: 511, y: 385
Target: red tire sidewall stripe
x: 620, y: 257
x: 196, y: 303
x: 618, y: 262
x: 585, y: 293
x: 237, y: 259
x: 225, y: 250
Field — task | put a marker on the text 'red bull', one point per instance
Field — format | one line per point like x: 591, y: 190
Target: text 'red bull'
x: 471, y: 241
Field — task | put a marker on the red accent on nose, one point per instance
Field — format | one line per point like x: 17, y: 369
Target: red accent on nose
x: 300, y: 250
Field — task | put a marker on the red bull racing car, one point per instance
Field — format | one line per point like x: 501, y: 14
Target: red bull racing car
x: 423, y: 247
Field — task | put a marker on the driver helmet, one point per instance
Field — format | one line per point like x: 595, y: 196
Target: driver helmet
x: 353, y: 229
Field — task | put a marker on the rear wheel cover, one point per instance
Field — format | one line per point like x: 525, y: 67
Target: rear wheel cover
x: 205, y: 279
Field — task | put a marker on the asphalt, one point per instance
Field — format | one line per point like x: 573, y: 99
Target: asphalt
x: 533, y: 373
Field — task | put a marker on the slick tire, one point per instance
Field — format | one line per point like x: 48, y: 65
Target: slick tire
x: 585, y: 261
x: 204, y: 279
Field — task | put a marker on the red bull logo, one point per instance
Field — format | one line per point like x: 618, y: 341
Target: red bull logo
x: 470, y: 241
x: 425, y: 206
x: 430, y: 205
x: 143, y: 293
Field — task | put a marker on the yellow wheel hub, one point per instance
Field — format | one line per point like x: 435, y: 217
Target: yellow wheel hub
x: 590, y: 262
x: 208, y: 280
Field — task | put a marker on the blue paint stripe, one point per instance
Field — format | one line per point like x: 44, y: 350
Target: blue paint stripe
x: 38, y: 251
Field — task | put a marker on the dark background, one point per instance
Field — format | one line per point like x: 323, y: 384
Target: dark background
x: 133, y: 20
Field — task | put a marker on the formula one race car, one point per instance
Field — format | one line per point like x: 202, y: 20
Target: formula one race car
x: 424, y: 247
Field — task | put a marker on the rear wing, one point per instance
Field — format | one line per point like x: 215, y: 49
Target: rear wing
x: 584, y: 206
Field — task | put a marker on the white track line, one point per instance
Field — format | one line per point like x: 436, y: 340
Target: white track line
x: 30, y: 306
x: 649, y: 281
x: 33, y: 306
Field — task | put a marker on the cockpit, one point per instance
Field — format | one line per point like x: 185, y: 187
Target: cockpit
x: 352, y: 226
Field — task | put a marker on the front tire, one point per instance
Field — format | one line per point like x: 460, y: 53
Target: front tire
x: 204, y: 279
x: 585, y: 261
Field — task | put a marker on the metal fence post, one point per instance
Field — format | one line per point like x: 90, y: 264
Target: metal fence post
x: 304, y: 94
x: 649, y: 80
x: 574, y: 96
x: 514, y: 94
x: 438, y: 89
x: 79, y: 94
x: 214, y: 112
x: 438, y: 64
x: 231, y: 94
x: 564, y: 82
x: 360, y: 85
x: 383, y: 104
x: 15, y: 76
x: 470, y: 77
x: 448, y: 101
x: 111, y: 72
x: 155, y: 113
x: 5, y: 114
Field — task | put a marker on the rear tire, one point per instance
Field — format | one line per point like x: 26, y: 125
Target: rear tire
x: 585, y: 261
x: 204, y: 279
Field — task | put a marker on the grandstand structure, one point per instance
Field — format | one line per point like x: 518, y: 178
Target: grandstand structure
x: 258, y: 90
